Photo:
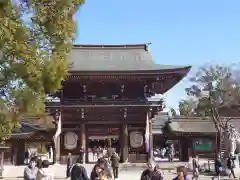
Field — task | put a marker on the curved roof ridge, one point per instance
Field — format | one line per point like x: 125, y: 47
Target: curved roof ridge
x: 111, y: 46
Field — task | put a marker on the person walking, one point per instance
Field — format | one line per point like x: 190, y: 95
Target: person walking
x: 30, y: 172
x: 78, y: 172
x: 218, y: 166
x: 69, y: 165
x: 195, y: 166
x: 148, y: 172
x: 157, y: 173
x: 231, y: 165
x: 170, y: 152
x: 115, y: 164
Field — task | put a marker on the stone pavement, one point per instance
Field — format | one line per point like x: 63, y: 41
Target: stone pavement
x: 60, y: 170
x: 131, y: 172
x: 130, y: 175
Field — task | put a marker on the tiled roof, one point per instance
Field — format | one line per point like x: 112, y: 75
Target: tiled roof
x: 27, y: 129
x: 24, y: 128
x: 198, y: 125
x: 159, y: 122
x: 114, y: 58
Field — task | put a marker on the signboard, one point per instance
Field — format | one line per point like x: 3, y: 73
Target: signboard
x: 201, y: 145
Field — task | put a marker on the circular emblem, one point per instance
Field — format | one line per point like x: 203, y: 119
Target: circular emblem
x: 70, y: 140
x: 136, y: 139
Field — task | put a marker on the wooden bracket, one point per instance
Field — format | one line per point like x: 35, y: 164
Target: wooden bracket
x: 122, y: 88
x: 84, y: 88
x: 150, y: 112
x: 82, y: 113
x: 125, y: 113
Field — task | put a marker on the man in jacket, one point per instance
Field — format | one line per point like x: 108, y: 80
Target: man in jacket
x: 115, y: 164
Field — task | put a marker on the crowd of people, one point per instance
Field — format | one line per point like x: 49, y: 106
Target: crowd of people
x: 106, y: 168
x: 155, y: 173
x: 219, y: 166
x: 38, y: 169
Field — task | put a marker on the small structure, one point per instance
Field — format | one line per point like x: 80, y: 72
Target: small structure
x: 28, y: 135
x: 197, y: 136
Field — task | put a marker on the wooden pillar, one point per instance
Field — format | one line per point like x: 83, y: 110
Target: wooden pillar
x: 20, y: 152
x: 185, y: 144
x: 124, y: 142
x: 82, y: 141
x: 82, y: 136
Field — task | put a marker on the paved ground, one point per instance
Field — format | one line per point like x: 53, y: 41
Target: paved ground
x: 133, y: 175
x: 128, y: 172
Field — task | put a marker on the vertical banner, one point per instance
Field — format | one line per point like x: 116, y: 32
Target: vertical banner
x: 147, y: 136
x: 59, y: 129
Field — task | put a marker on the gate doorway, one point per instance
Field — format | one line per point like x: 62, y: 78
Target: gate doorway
x: 99, y: 146
x: 101, y: 141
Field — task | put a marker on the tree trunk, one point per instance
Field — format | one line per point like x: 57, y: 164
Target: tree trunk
x: 54, y: 152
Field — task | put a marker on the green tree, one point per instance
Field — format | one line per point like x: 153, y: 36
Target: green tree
x: 36, y: 37
x: 222, y: 90
x: 187, y: 107
x: 173, y: 111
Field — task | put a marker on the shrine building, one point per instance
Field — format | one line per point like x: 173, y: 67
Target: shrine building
x: 104, y: 100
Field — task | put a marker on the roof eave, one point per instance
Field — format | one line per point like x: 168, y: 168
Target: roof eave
x: 182, y: 70
x: 194, y: 133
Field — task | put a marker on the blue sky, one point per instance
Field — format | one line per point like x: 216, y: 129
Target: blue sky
x: 183, y: 32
